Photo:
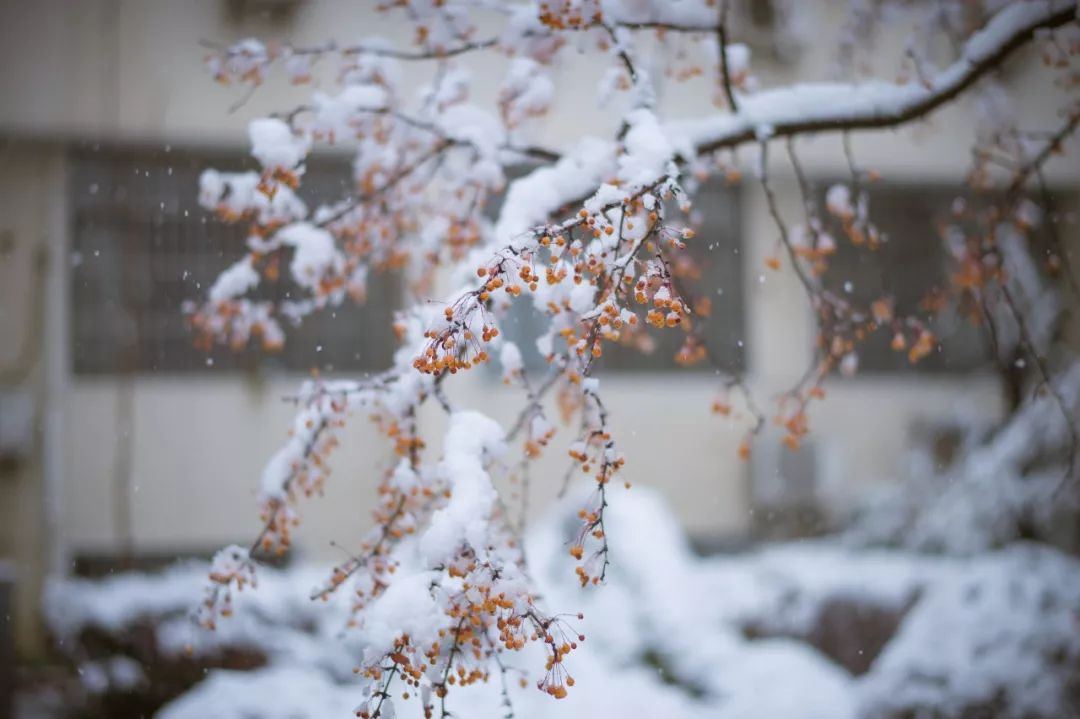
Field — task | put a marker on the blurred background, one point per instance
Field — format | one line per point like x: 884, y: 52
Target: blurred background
x: 122, y: 446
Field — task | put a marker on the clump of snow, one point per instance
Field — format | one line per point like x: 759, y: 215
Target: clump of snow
x: 511, y: 361
x: 312, y: 432
x: 244, y: 61
x: 234, y: 282
x: 738, y: 62
x: 315, y: 255
x: 527, y: 91
x: 333, y: 116
x: 374, y: 66
x: 838, y: 202
x: 471, y: 440
x: 684, y: 13
x: 236, y: 194
x: 474, y: 126
x: 406, y: 607
x: 275, y: 145
x: 582, y: 297
x: 530, y: 199
x: 648, y: 151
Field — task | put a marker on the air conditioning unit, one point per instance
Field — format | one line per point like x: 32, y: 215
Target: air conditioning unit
x: 785, y: 494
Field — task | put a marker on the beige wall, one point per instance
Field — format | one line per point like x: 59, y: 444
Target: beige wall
x: 131, y: 71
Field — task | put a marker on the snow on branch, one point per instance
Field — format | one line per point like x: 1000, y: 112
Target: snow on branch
x: 828, y: 107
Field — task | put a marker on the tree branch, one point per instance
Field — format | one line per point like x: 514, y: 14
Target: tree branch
x: 831, y: 107
x: 722, y: 41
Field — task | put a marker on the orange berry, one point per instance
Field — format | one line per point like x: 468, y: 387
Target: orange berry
x: 744, y: 450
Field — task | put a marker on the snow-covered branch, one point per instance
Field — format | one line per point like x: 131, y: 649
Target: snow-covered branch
x: 810, y: 108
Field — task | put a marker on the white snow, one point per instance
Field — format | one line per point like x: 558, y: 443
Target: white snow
x: 582, y: 297
x: 233, y: 282
x: 472, y: 125
x: 972, y: 506
x: 237, y: 193
x: 288, y: 692
x: 827, y: 103
x: 315, y: 254
x: 998, y: 631
x: 312, y: 424
x: 531, y: 199
x: 511, y: 360
x: 274, y: 144
x: 648, y: 151
x: 333, y: 115
x: 738, y: 60
x: 117, y: 673
x: 685, y: 13
x: 1001, y: 624
x: 406, y: 607
x: 527, y: 90
x: 838, y: 202
x: 471, y: 440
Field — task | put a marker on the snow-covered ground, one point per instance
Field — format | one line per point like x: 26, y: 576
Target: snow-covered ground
x: 801, y: 630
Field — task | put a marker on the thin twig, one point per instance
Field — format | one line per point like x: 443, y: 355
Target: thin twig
x: 722, y: 40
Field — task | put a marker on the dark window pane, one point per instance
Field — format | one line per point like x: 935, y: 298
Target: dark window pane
x: 716, y: 252
x: 142, y: 246
x: 910, y: 265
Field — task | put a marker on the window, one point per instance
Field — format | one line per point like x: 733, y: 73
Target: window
x: 715, y: 250
x: 910, y: 265
x: 142, y: 246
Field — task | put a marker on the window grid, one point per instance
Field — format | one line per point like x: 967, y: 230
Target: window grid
x: 142, y: 246
x: 716, y: 250
x: 907, y: 267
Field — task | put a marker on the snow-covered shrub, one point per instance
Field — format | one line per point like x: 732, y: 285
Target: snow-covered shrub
x: 997, y: 631
x: 1018, y: 481
x: 998, y: 636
